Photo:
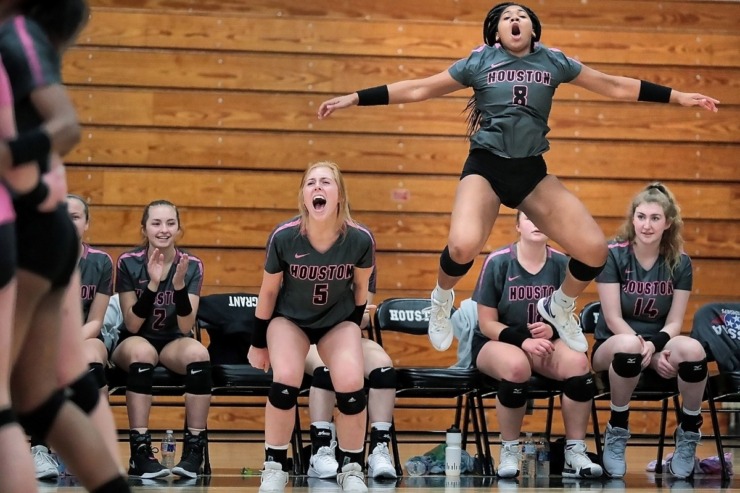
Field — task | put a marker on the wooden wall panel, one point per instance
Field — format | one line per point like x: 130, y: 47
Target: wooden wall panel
x: 719, y: 15
x: 429, y: 155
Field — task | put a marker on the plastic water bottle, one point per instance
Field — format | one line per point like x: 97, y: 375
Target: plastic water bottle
x: 416, y: 467
x: 543, y: 458
x: 169, y: 447
x: 529, y: 457
x: 453, y: 452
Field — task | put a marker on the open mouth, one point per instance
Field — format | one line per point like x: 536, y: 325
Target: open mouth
x: 319, y: 202
x: 515, y: 31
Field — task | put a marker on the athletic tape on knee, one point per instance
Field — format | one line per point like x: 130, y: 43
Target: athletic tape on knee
x: 627, y: 365
x: 692, y: 371
x: 383, y: 378
x: 140, y: 378
x: 512, y: 394
x: 452, y: 268
x: 322, y: 379
x: 98, y: 372
x: 351, y: 403
x: 39, y: 421
x: 84, y: 392
x: 581, y: 388
x: 7, y: 417
x: 283, y: 396
x: 198, y: 378
x: 584, y: 272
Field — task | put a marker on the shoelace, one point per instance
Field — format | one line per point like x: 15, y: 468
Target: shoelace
x: 273, y: 474
x: 616, y: 441
x: 686, y: 449
x: 511, y: 453
x: 440, y: 314
x: 46, y: 457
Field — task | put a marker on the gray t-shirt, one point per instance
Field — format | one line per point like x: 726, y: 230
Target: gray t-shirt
x: 317, y: 291
x: 507, y: 286
x: 514, y: 96
x: 646, y: 295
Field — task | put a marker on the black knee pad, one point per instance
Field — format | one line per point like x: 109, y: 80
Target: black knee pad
x: 7, y: 259
x: 283, y: 396
x: 140, y: 378
x: 39, y: 421
x: 383, y: 378
x: 692, y: 371
x: 7, y: 417
x: 584, y: 272
x: 84, y: 392
x: 452, y: 268
x: 581, y: 388
x: 350, y: 403
x: 511, y: 394
x: 98, y: 372
x: 322, y: 379
x: 627, y: 365
x: 198, y: 378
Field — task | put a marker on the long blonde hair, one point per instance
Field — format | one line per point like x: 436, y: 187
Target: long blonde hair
x: 343, y: 215
x: 671, y: 242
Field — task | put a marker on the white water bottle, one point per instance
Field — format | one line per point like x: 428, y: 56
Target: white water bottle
x: 453, y: 452
x: 169, y: 446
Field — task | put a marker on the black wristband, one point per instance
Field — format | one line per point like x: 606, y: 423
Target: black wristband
x: 654, y: 93
x: 145, y: 304
x: 259, y: 334
x: 659, y: 340
x: 357, y: 314
x: 373, y: 96
x: 514, y: 335
x: 183, y: 308
x: 32, y: 198
x: 34, y: 145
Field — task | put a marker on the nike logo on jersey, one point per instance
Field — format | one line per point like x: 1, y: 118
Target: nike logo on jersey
x: 494, y: 65
x: 514, y: 278
x: 301, y: 255
x: 143, y: 281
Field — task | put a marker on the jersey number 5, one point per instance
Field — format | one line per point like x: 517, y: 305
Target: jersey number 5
x: 320, y: 294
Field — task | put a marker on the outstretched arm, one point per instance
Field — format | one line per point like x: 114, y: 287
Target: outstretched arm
x: 405, y: 91
x: 628, y: 89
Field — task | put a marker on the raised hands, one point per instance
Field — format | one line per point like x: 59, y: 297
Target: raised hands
x: 155, y: 268
x: 178, y: 281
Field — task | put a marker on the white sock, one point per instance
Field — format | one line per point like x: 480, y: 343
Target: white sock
x: 441, y: 295
x: 573, y: 443
x: 380, y: 426
x: 619, y: 409
x: 562, y: 299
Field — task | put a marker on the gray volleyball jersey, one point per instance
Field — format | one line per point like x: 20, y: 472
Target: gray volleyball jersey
x: 132, y: 275
x: 96, y: 272
x: 514, y: 96
x: 317, y: 292
x: 717, y: 327
x: 646, y: 296
x: 507, y: 286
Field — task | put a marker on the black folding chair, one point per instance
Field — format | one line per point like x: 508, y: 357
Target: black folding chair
x: 651, y: 387
x: 411, y: 316
x: 229, y: 319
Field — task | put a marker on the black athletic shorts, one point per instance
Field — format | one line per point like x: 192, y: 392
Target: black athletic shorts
x: 7, y: 253
x: 48, y: 245
x: 479, y: 340
x: 511, y: 179
x: 158, y: 344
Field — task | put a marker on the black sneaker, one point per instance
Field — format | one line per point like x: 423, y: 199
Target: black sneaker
x: 143, y: 464
x: 191, y: 462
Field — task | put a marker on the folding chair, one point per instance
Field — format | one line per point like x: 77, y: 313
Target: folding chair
x: 229, y: 319
x: 411, y: 316
x: 651, y: 387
